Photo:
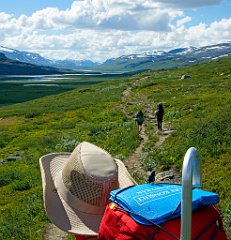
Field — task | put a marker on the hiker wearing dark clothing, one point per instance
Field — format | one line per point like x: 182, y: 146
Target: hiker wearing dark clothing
x: 159, y: 115
x: 139, y: 119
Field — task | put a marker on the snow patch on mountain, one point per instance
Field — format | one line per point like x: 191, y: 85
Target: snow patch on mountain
x: 145, y: 60
x: 35, y: 58
x: 5, y: 49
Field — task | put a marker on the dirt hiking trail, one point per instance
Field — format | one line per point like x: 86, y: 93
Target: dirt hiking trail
x: 132, y: 162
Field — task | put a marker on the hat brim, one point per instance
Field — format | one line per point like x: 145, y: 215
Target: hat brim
x: 58, y: 211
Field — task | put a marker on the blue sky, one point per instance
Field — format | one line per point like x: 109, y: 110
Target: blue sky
x: 102, y: 29
x: 209, y: 14
x: 19, y: 7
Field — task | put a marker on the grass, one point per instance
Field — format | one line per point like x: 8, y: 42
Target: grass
x: 197, y: 108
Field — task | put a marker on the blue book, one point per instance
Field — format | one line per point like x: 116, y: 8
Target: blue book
x: 158, y: 203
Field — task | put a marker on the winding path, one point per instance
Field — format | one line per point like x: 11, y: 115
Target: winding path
x: 54, y: 233
x: 132, y: 162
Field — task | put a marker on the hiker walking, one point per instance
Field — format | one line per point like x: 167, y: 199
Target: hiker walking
x: 139, y: 119
x: 159, y: 115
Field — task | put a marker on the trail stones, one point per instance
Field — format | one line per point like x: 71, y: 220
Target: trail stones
x: 168, y: 176
x: 186, y: 76
x: 10, y: 159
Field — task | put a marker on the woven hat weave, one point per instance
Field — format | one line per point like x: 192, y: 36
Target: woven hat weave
x: 76, y: 186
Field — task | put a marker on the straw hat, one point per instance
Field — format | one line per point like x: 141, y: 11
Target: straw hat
x: 76, y: 186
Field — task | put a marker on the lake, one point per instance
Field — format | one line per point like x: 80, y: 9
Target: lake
x: 17, y: 89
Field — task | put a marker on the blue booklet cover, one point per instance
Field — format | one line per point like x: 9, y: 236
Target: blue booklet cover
x: 158, y: 203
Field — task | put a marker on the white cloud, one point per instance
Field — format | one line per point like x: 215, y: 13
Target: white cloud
x: 100, y: 45
x: 110, y: 14
x: 189, y: 3
x: 6, y: 21
x: 201, y: 34
x: 4, y: 17
x: 101, y: 29
x: 182, y: 21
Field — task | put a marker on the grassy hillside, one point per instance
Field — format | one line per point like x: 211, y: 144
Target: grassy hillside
x: 197, y: 108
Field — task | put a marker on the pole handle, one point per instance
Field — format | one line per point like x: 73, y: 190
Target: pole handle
x: 191, y: 177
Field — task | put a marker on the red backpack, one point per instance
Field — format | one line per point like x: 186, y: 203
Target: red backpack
x: 154, y: 211
x: 117, y: 224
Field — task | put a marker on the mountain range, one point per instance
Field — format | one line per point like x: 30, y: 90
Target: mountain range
x: 13, y: 67
x: 166, y: 60
x: 134, y: 62
x: 35, y: 58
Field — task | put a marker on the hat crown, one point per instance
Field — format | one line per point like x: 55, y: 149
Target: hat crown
x: 90, y: 174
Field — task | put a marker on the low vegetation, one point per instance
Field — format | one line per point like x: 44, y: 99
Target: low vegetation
x: 198, y: 109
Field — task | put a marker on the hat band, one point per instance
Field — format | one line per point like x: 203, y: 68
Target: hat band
x: 73, y: 201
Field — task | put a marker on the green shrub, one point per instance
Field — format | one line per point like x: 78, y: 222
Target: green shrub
x: 24, y: 219
x: 5, y: 138
x: 22, y: 185
x: 67, y: 144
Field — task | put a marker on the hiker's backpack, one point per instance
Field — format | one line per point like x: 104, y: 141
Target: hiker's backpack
x: 152, y: 211
x: 139, y: 117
